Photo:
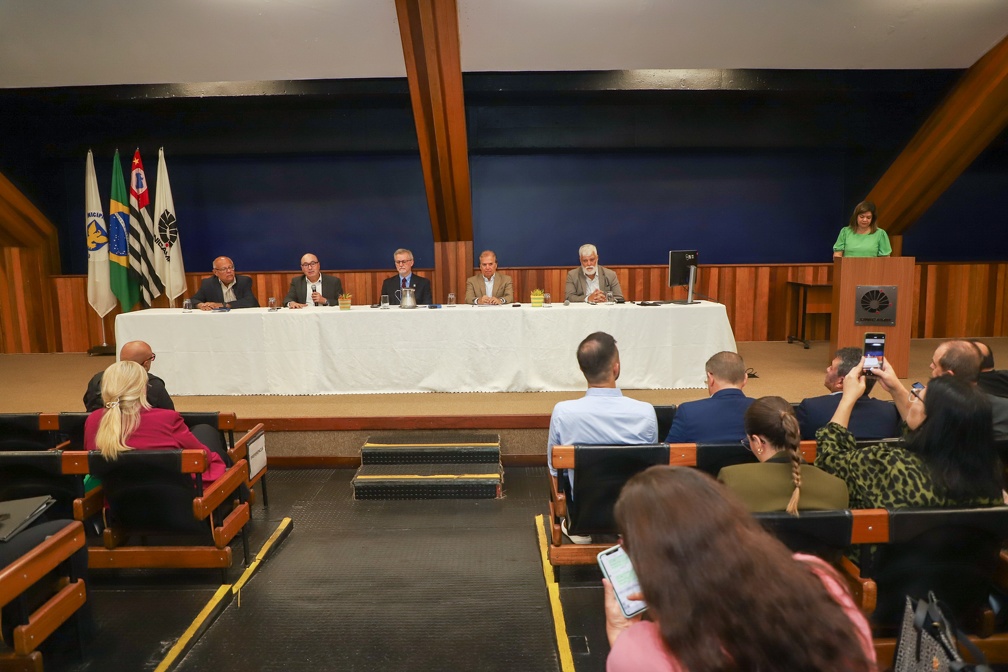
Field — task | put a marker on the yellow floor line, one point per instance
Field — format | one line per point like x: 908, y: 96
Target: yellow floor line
x: 197, y: 623
x: 388, y: 477
x: 559, y: 624
x: 183, y: 641
x: 254, y: 565
x: 430, y: 445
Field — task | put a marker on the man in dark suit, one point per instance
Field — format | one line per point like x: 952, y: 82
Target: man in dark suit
x: 590, y: 282
x: 313, y: 288
x: 718, y: 419
x: 404, y: 279
x: 225, y: 289
x: 990, y: 381
x: 141, y: 353
x: 870, y: 419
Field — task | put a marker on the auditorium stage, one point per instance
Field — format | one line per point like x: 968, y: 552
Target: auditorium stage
x: 306, y: 430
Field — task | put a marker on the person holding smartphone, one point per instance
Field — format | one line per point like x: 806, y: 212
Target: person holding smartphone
x: 750, y: 602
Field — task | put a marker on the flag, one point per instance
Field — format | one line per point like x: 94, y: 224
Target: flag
x: 169, y: 264
x: 99, y: 287
x: 141, y: 236
x: 123, y: 286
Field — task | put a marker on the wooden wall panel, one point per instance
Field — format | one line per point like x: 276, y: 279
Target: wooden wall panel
x: 949, y: 300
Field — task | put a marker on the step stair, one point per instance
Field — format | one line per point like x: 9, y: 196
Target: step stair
x: 449, y: 465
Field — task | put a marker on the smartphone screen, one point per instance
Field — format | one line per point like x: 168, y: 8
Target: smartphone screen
x: 616, y: 567
x: 874, y: 350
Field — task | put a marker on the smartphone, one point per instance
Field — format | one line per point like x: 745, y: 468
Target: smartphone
x: 916, y: 388
x: 616, y: 567
x: 874, y: 350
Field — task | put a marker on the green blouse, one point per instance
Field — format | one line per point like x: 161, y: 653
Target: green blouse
x: 884, y: 476
x: 863, y: 244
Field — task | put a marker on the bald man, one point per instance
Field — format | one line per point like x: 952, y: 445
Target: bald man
x: 225, y: 289
x: 141, y: 353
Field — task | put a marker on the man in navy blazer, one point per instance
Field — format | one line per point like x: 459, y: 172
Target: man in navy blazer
x: 313, y: 288
x: 406, y: 278
x: 870, y: 419
x: 718, y: 419
x: 225, y: 289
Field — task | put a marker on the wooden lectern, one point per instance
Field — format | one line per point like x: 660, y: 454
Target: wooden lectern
x: 850, y: 273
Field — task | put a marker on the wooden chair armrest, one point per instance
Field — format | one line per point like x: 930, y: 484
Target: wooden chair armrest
x: 1001, y: 571
x: 558, y: 510
x: 240, y: 449
x: 90, y: 504
x: 24, y: 572
x: 864, y: 591
x: 218, y: 491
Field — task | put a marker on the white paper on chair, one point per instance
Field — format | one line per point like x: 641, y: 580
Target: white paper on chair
x: 257, y: 454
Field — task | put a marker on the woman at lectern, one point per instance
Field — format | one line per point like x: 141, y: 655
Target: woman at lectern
x: 862, y: 237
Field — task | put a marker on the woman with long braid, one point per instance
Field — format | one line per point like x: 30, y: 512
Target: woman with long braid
x: 782, y: 481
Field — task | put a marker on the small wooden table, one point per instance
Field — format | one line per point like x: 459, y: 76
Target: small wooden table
x: 804, y: 299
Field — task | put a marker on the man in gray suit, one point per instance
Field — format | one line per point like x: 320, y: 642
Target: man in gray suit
x: 590, y: 282
x: 313, y: 288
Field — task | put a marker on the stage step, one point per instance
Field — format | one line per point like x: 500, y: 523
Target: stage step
x: 430, y: 466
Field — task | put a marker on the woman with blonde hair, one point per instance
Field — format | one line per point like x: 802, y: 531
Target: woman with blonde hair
x: 723, y: 594
x: 782, y: 481
x: 127, y: 422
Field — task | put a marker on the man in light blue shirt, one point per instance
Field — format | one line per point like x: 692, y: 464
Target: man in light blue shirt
x: 603, y: 415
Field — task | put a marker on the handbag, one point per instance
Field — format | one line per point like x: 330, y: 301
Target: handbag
x: 929, y: 641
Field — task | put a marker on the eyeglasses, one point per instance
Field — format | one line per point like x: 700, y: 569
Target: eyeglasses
x: 224, y: 269
x: 309, y: 264
x: 399, y: 262
x: 745, y: 442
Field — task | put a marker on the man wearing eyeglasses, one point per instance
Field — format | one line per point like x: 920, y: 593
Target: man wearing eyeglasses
x: 141, y: 353
x: 404, y: 279
x: 313, y: 288
x: 225, y: 289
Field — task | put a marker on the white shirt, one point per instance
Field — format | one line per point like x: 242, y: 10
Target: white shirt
x: 308, y: 289
x: 488, y: 282
x: 592, y: 284
x: 228, y: 291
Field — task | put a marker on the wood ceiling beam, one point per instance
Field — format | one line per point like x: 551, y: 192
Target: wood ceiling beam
x: 430, y: 39
x: 964, y: 124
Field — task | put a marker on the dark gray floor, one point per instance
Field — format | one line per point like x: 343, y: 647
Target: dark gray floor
x: 414, y: 585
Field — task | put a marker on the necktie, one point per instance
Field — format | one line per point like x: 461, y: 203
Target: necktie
x: 404, y: 283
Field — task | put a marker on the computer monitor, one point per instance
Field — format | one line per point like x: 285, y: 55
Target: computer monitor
x: 679, y: 263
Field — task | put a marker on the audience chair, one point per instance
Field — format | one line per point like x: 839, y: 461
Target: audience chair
x: 665, y: 416
x: 40, y: 589
x: 25, y: 431
x: 31, y: 473
x: 157, y: 497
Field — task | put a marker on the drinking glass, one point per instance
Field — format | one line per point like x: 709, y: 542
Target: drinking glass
x: 187, y: 306
x: 609, y: 298
x: 451, y: 298
x: 384, y: 301
x: 547, y: 300
x: 271, y: 302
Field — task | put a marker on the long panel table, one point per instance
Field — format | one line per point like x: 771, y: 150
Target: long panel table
x: 450, y: 349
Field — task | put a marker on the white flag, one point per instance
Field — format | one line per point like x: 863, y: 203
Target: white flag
x: 169, y: 263
x: 141, y: 236
x: 99, y: 287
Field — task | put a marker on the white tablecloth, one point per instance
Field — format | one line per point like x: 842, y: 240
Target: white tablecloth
x: 451, y: 349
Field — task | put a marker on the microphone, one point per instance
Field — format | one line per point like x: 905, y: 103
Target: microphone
x: 313, y: 287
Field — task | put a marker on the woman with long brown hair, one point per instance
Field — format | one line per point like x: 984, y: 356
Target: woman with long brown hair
x: 782, y: 480
x: 722, y: 593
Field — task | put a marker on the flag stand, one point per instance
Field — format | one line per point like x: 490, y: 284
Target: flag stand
x: 104, y: 349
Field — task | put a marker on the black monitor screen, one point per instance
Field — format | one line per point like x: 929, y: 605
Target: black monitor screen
x: 679, y: 262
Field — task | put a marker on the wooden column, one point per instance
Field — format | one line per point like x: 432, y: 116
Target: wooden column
x: 973, y: 114
x: 430, y: 38
x: 29, y: 254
